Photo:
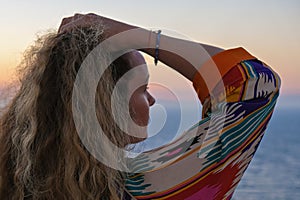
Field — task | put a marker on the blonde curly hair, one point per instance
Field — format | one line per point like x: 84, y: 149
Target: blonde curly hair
x: 41, y: 154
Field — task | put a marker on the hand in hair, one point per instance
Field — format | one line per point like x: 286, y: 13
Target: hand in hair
x: 86, y: 20
x: 170, y: 47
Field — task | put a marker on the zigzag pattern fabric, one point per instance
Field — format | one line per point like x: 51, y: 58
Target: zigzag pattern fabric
x: 209, y: 160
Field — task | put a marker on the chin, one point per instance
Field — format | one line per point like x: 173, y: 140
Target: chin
x: 139, y: 134
x: 134, y: 140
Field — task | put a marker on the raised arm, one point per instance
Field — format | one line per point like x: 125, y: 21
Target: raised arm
x: 182, y: 55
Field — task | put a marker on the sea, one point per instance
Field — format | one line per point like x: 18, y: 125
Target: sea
x: 274, y: 172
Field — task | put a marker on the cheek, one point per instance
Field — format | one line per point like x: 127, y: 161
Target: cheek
x: 139, y: 109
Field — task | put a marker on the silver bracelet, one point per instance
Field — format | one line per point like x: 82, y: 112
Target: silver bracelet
x: 157, y: 47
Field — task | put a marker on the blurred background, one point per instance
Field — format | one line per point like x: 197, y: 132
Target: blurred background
x: 269, y: 29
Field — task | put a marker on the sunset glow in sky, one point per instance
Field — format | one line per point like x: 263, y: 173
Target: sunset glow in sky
x: 269, y: 29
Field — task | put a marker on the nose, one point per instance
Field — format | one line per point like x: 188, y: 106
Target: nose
x: 151, y: 99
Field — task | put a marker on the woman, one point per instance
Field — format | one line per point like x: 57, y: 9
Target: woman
x: 41, y: 154
x: 45, y: 156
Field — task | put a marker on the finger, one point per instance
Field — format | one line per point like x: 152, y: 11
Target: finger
x: 77, y: 16
x: 64, y: 22
x: 92, y: 15
x: 62, y: 29
x: 68, y: 20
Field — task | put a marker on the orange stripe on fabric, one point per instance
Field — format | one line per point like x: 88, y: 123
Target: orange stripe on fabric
x: 229, y: 159
x: 201, y: 175
x: 214, y: 166
x: 211, y: 72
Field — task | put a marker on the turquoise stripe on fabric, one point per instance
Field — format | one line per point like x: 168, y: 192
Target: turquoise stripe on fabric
x: 134, y: 182
x: 245, y: 129
x: 199, y: 123
x: 261, y: 114
x: 252, y: 73
x: 217, y: 157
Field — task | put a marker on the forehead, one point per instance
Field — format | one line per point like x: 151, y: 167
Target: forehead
x: 138, y: 72
x: 134, y: 58
x: 129, y: 65
x: 136, y: 64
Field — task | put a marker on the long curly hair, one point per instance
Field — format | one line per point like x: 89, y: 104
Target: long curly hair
x: 41, y: 154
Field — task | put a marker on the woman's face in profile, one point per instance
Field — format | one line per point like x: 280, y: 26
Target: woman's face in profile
x: 140, y: 99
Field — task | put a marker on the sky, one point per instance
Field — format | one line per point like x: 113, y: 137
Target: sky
x: 268, y: 29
